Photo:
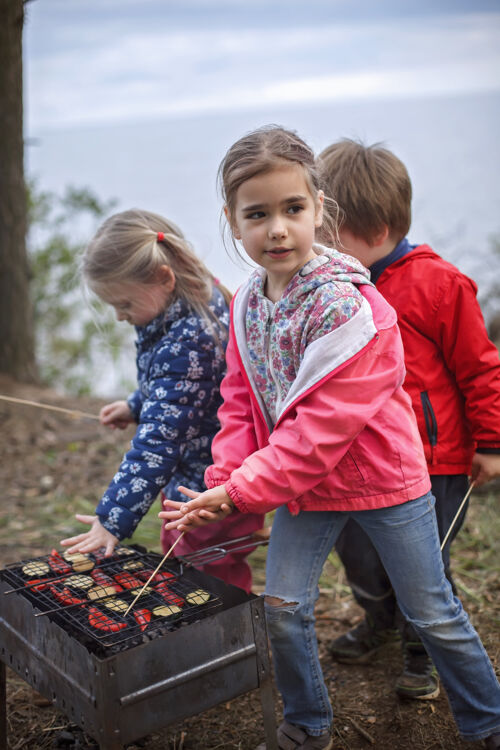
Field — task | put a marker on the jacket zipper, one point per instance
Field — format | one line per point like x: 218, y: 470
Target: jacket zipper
x: 430, y: 422
x: 270, y: 362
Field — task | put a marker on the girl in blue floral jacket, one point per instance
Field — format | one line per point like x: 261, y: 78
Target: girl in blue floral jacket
x: 142, y: 265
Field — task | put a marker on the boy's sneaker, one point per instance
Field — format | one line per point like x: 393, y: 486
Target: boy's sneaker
x: 419, y: 679
x: 291, y: 737
x: 358, y: 645
x: 492, y: 742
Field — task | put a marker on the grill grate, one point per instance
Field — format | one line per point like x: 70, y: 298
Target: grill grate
x: 88, y: 597
x: 115, y: 692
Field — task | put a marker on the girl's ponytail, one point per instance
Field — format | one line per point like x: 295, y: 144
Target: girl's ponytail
x: 132, y: 245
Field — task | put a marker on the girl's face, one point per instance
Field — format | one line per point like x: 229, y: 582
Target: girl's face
x: 139, y: 303
x: 275, y: 217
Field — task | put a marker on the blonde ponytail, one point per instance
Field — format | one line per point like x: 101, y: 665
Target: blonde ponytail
x: 132, y: 245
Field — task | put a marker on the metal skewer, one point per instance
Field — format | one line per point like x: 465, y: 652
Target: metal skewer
x: 28, y: 586
x: 154, y: 572
x: 65, y: 607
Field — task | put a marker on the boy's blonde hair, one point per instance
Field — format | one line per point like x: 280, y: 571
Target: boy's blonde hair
x: 127, y: 249
x: 263, y: 150
x: 371, y: 186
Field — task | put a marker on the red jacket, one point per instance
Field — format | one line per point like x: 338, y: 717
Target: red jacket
x: 348, y: 440
x: 453, y: 369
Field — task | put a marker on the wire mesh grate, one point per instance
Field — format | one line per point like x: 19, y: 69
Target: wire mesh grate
x: 88, y: 595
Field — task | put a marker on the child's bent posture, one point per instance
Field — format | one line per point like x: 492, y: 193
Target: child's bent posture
x: 453, y: 378
x: 315, y: 423
x: 141, y: 264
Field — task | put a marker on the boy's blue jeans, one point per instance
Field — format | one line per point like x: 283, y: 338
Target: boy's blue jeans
x: 365, y: 573
x: 407, y: 541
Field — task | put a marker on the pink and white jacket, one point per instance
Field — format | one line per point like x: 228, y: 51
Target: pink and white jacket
x: 343, y: 435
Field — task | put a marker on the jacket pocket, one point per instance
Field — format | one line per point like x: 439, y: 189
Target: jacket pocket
x: 349, y: 471
x: 430, y: 421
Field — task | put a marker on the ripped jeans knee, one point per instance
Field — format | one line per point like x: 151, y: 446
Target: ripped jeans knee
x: 288, y: 619
x: 275, y: 606
x: 282, y: 618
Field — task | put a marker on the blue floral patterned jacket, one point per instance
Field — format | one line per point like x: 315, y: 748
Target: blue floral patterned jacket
x: 180, y: 365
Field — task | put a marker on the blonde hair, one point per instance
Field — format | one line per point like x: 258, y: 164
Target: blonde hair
x: 127, y: 249
x: 371, y: 186
x: 263, y: 150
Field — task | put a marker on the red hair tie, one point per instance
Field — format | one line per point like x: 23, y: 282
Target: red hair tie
x: 160, y: 236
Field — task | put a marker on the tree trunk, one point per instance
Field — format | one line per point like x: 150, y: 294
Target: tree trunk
x: 17, y: 356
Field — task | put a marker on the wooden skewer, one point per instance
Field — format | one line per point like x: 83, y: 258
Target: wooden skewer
x: 452, y: 524
x: 154, y: 572
x: 73, y: 412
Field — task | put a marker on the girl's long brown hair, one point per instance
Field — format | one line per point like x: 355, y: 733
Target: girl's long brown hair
x: 263, y: 150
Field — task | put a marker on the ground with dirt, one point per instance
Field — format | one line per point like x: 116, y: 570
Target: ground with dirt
x: 55, y: 464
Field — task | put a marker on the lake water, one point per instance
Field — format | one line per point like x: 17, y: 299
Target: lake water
x: 449, y: 145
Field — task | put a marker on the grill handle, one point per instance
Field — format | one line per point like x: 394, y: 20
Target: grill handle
x: 189, y: 674
x: 218, y: 551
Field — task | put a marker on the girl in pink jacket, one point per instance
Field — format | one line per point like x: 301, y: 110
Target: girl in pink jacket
x: 315, y: 424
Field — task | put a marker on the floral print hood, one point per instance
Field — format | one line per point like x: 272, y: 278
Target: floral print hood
x: 320, y: 298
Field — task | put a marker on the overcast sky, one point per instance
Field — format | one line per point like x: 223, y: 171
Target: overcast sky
x: 103, y: 61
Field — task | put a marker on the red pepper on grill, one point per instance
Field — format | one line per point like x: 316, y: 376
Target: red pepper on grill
x: 65, y: 596
x: 58, y: 564
x: 103, y: 580
x: 128, y: 581
x: 162, y: 575
x: 40, y: 584
x: 166, y: 593
x: 102, y: 622
x: 99, y: 555
x: 142, y: 617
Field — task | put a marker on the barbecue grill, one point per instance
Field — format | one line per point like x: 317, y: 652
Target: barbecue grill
x: 190, y: 642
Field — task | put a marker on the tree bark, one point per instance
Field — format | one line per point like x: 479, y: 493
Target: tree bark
x: 17, y: 356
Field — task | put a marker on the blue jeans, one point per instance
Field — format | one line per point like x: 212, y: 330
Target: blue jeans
x: 365, y: 573
x: 407, y: 541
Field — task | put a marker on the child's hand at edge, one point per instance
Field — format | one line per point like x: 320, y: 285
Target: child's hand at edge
x: 91, y: 540
x: 203, y: 508
x: 116, y: 415
x: 485, y: 466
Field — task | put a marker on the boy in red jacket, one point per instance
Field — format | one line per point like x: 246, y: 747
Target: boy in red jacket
x: 453, y: 378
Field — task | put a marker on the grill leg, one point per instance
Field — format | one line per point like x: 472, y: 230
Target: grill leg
x: 267, y: 700
x: 3, y: 706
x: 264, y: 672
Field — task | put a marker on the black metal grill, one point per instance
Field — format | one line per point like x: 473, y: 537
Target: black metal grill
x: 120, y: 686
x: 169, y: 601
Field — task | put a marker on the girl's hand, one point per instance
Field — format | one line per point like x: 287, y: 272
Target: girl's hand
x: 97, y: 537
x: 116, y: 415
x: 485, y: 466
x: 183, y: 522
x: 204, y: 507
